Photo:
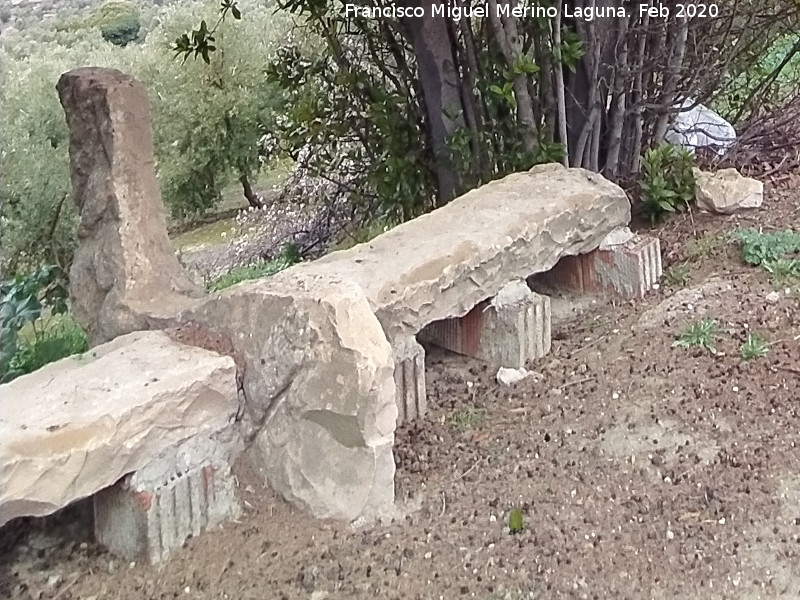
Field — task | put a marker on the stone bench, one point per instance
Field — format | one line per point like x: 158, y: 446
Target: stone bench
x: 438, y: 275
x: 331, y: 360
x: 328, y: 352
x: 142, y: 424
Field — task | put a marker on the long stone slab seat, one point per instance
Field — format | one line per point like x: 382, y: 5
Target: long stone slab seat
x: 443, y: 264
x: 77, y: 426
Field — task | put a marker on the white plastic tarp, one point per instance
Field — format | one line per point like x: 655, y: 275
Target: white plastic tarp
x: 697, y: 126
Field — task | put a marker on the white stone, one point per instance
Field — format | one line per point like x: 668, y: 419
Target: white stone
x: 619, y: 236
x: 726, y: 191
x: 512, y: 294
x: 510, y: 376
x: 78, y: 425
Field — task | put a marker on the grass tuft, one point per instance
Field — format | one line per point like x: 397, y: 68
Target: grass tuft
x: 754, y: 347
x: 698, y: 335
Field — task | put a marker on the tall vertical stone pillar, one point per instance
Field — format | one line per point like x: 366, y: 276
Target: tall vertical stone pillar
x: 125, y: 276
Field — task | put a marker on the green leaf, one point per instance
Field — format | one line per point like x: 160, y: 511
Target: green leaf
x: 666, y: 206
x: 515, y: 521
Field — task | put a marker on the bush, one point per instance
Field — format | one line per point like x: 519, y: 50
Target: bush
x: 34, y: 327
x: 118, y: 22
x: 54, y: 342
x: 667, y: 182
x: 763, y: 249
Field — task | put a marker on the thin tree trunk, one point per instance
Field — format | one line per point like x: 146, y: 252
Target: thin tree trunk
x: 507, y: 36
x: 561, y: 110
x: 253, y: 199
x: 618, y: 108
x: 470, y: 69
x: 677, y: 52
x: 441, y: 87
x: 547, y: 99
x: 637, y: 98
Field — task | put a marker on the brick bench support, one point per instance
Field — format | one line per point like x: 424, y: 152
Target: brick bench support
x: 628, y: 269
x: 508, y: 331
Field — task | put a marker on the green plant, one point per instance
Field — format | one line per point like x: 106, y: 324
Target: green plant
x: 762, y: 249
x: 667, y: 183
x: 466, y: 417
x: 288, y: 257
x: 677, y: 275
x: 698, y: 335
x: 33, y: 327
x: 50, y: 342
x: 118, y: 22
x: 515, y: 521
x: 701, y: 247
x: 754, y: 347
x: 782, y: 270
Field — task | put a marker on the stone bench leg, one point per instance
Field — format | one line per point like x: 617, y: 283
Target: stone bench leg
x: 508, y: 331
x: 148, y: 514
x: 409, y: 380
x: 629, y: 269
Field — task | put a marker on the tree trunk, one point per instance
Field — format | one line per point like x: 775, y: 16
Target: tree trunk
x: 561, y: 110
x: 441, y: 88
x: 253, y: 199
x: 507, y: 35
x: 671, y: 79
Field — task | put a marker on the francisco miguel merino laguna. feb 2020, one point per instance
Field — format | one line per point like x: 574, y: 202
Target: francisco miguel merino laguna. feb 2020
x: 520, y: 10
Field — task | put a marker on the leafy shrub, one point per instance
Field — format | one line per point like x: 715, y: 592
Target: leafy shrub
x: 667, y: 183
x: 49, y: 344
x: 34, y: 328
x: 118, y: 22
x: 764, y: 249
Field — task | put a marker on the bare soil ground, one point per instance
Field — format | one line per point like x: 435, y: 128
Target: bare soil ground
x: 643, y: 470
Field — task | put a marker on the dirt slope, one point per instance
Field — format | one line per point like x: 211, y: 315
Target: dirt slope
x: 643, y: 470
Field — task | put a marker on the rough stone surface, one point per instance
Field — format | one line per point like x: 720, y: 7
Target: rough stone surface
x: 319, y: 388
x: 125, y: 276
x: 78, y: 425
x: 509, y: 331
x: 727, y: 191
x: 429, y: 269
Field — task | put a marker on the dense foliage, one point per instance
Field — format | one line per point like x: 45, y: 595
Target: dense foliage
x: 36, y: 302
x: 118, y: 22
x: 667, y: 181
x: 207, y: 123
x: 418, y: 110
